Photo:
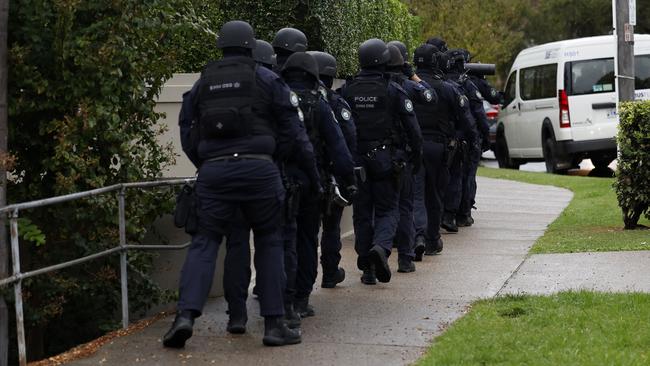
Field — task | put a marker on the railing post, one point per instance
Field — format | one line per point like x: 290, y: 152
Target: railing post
x: 18, y: 291
x: 123, y: 260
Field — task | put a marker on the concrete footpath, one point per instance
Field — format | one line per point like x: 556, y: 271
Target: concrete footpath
x: 386, y: 324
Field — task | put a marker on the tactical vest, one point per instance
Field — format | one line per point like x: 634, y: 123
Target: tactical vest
x: 230, y: 103
x: 373, y: 113
x: 309, y: 105
x: 436, y: 119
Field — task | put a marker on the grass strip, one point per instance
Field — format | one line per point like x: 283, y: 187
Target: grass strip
x: 591, y: 223
x: 569, y: 328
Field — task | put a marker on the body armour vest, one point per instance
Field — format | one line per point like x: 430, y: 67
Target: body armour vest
x: 309, y: 102
x: 230, y: 102
x: 436, y: 119
x: 371, y: 109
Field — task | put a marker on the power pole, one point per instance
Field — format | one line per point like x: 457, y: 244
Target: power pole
x: 4, y: 132
x: 624, y: 22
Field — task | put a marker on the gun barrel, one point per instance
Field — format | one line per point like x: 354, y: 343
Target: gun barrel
x: 481, y: 69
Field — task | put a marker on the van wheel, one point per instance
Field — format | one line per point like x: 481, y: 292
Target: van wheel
x: 551, y: 158
x: 503, y: 156
x: 601, y: 162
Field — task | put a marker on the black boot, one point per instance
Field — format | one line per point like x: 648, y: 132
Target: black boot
x: 439, y: 246
x: 291, y: 318
x: 378, y: 257
x: 237, y: 323
x: 449, y: 223
x: 464, y: 221
x: 276, y: 333
x: 302, y: 307
x: 180, y: 331
x: 420, y: 246
x: 330, y: 280
x: 368, y: 277
x: 405, y: 264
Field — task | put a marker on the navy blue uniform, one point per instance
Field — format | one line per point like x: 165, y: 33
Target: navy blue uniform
x: 333, y: 157
x: 420, y: 93
x: 331, y: 231
x: 474, y: 148
x: 439, y: 124
x: 236, y: 184
x: 382, y: 121
x: 488, y: 92
x: 454, y: 193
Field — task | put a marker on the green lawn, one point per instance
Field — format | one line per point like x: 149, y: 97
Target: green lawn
x: 591, y: 222
x: 571, y: 328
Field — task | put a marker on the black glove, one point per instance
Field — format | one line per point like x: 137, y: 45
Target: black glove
x: 408, y: 70
x: 352, y: 192
x: 485, y: 144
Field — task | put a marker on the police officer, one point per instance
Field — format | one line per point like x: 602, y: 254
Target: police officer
x: 237, y: 266
x: 419, y: 93
x: 300, y: 71
x: 332, y: 212
x: 239, y: 136
x: 439, y: 123
x: 382, y: 113
x: 286, y: 42
x: 439, y: 43
x: 459, y: 210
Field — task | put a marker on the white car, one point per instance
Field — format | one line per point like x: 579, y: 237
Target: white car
x: 560, y: 103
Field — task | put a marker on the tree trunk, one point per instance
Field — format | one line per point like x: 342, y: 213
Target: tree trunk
x: 4, y: 262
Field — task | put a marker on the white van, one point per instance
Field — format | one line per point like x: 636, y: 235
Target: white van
x: 560, y: 103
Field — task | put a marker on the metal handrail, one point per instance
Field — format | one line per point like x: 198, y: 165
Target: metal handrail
x: 18, y: 276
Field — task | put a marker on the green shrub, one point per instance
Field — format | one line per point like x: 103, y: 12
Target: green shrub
x: 633, y: 182
x: 83, y: 82
x: 334, y: 26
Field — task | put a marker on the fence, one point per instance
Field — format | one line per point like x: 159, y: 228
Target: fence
x: 18, y: 276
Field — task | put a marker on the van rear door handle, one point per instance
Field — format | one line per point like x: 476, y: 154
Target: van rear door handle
x: 543, y: 106
x: 603, y: 105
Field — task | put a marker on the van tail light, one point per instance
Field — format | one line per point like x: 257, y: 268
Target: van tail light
x: 565, y: 118
x: 492, y: 114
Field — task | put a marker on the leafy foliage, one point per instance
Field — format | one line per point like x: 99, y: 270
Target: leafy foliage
x: 633, y: 182
x: 334, y: 26
x: 84, y: 78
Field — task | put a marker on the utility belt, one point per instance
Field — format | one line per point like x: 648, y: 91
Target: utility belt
x: 390, y: 167
x: 241, y: 157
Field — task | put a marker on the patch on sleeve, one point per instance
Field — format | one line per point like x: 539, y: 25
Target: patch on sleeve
x: 493, y: 92
x: 323, y: 92
x: 428, y: 96
x: 478, y: 95
x: 345, y: 114
x: 301, y: 116
x: 462, y: 100
x: 408, y: 105
x: 293, y: 99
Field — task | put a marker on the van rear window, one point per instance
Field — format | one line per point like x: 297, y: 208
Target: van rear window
x: 591, y: 76
x: 642, y: 72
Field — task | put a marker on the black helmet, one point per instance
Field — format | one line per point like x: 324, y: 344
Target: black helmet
x: 290, y: 39
x: 401, y: 47
x: 373, y: 52
x: 301, y: 61
x: 456, y: 59
x: 264, y: 53
x: 425, y: 56
x: 236, y: 33
x: 442, y: 62
x: 466, y: 55
x: 396, y: 59
x: 438, y: 42
x: 326, y: 63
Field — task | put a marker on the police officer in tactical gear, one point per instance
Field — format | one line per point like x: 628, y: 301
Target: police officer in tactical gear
x: 245, y: 119
x: 439, y: 123
x: 383, y: 114
x: 464, y: 169
x: 300, y: 71
x: 288, y: 41
x: 332, y: 211
x: 237, y: 264
x: 420, y: 93
x: 439, y: 43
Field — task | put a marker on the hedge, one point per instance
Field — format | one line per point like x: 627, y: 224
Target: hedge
x: 633, y: 182
x: 334, y: 26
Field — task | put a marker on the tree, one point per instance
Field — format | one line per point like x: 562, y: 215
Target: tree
x: 82, y: 88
